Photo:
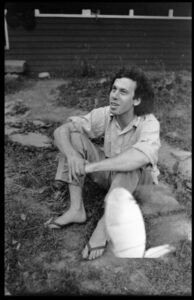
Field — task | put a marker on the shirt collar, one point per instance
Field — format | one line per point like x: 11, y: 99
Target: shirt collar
x: 134, y: 123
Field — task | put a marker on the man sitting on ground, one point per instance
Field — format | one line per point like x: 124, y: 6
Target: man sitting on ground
x: 128, y: 159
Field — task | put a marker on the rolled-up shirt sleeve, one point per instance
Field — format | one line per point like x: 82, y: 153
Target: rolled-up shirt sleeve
x: 91, y: 124
x: 149, y: 139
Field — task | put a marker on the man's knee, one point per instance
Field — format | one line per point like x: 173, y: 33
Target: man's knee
x: 76, y: 139
x: 127, y: 180
x: 118, y: 194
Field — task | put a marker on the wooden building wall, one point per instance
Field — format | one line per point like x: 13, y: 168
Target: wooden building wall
x: 63, y: 43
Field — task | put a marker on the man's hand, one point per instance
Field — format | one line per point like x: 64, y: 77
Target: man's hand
x: 76, y: 165
x: 88, y: 167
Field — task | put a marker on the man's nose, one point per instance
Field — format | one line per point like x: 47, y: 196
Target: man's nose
x: 115, y: 95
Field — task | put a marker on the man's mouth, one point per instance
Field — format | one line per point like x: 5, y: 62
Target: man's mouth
x: 114, y: 104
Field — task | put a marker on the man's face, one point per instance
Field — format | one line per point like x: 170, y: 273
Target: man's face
x: 121, y: 96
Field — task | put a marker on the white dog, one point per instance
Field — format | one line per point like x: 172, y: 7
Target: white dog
x: 126, y: 229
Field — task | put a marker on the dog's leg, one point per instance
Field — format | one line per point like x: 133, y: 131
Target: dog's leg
x: 159, y: 251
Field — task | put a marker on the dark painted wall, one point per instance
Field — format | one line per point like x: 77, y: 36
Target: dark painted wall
x: 63, y: 43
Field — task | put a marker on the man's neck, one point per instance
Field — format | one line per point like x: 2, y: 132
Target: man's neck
x: 125, y: 119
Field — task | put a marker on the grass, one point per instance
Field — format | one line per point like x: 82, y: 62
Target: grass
x: 15, y: 85
x: 30, y: 233
x: 39, y: 261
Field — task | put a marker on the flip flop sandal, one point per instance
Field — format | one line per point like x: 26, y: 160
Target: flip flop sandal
x: 90, y: 249
x: 58, y: 185
x: 52, y: 221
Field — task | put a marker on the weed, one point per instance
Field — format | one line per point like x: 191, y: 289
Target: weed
x: 81, y: 93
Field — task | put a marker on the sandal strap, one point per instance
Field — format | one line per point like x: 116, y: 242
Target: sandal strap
x: 95, y: 248
x: 58, y: 185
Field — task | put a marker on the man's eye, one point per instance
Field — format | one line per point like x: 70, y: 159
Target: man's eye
x: 123, y: 92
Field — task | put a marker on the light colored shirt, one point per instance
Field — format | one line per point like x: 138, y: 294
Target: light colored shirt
x: 143, y: 134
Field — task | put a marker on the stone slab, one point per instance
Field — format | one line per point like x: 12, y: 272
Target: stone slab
x: 185, y: 168
x: 32, y: 139
x: 10, y: 77
x: 165, y: 157
x: 168, y: 229
x: 180, y: 154
x: 156, y: 200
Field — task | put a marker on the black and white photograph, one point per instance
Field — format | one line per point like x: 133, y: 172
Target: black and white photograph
x: 97, y: 152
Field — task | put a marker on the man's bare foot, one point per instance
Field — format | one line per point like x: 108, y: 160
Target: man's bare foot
x: 97, y: 242
x: 70, y: 216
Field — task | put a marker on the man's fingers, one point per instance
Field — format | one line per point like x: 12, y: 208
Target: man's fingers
x: 77, y: 169
x: 74, y: 172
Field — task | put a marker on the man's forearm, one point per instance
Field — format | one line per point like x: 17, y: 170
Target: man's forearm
x: 129, y: 160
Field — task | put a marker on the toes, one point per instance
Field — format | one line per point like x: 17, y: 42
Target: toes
x: 92, y: 255
x: 95, y: 254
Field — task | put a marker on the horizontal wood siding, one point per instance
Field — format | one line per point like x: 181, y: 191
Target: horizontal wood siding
x: 64, y: 43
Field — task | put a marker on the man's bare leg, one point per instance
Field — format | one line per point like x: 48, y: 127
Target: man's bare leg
x: 76, y: 213
x: 98, y: 239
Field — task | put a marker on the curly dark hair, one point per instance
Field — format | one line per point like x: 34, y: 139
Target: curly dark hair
x: 143, y: 90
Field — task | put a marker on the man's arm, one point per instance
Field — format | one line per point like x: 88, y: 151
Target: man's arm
x: 92, y: 124
x: 129, y: 160
x: 76, y: 163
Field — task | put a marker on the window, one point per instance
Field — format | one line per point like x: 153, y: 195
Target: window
x: 6, y: 39
x: 117, y: 8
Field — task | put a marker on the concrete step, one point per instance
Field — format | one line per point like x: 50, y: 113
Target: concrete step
x: 15, y: 66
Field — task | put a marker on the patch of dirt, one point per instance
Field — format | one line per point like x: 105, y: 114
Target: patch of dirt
x: 41, y: 100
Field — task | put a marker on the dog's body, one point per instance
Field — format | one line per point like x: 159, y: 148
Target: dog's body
x: 126, y: 229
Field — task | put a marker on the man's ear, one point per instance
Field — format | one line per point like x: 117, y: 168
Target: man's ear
x: 136, y: 101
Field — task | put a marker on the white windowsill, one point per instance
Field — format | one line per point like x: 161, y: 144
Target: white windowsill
x: 130, y: 16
